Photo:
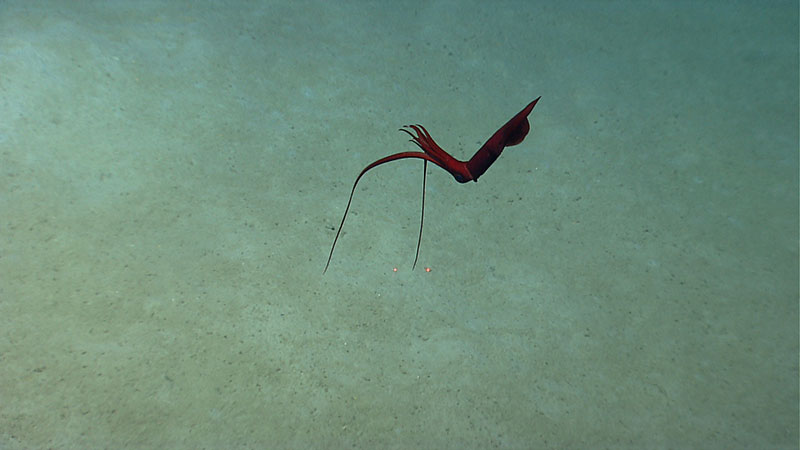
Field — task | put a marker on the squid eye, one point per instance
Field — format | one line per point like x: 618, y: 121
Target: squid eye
x: 459, y: 178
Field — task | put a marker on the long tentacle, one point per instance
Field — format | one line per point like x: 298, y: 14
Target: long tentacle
x: 390, y: 158
x: 422, y: 214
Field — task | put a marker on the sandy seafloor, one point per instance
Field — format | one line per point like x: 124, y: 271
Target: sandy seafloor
x: 172, y: 175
